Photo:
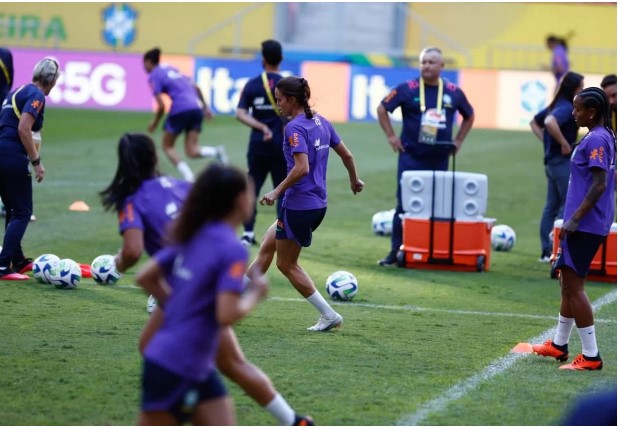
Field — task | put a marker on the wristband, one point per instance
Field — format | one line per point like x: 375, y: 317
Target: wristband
x: 36, y: 162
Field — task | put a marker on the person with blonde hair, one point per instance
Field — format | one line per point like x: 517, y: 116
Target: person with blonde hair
x: 21, y: 115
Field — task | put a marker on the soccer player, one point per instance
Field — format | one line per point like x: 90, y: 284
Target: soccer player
x: 199, y: 297
x: 559, y: 56
x: 147, y: 203
x: 609, y: 86
x: 6, y: 72
x: 257, y: 109
x: 428, y: 105
x: 20, y: 116
x: 556, y: 128
x: 186, y: 114
x: 588, y: 216
x: 308, y: 139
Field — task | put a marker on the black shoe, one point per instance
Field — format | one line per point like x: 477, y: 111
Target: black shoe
x: 23, y: 266
x: 303, y: 421
x: 389, y: 261
x: 248, y: 241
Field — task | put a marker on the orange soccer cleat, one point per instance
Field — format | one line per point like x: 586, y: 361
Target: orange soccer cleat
x: 548, y: 348
x: 581, y: 362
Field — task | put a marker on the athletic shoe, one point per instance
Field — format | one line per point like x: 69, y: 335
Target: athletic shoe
x: 23, y: 266
x: 545, y: 258
x: 151, y: 304
x: 582, y: 362
x: 222, y: 155
x: 326, y: 324
x: 10, y: 275
x: 32, y: 218
x: 303, y: 421
x: 389, y: 261
x: 548, y: 348
x: 248, y: 241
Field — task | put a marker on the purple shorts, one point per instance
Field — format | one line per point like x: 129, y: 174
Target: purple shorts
x: 577, y: 251
x: 189, y: 120
x: 298, y: 225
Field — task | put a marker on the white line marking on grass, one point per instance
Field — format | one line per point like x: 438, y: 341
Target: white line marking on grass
x: 461, y: 389
x: 412, y: 308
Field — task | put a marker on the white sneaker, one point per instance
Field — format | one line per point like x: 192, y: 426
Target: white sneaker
x: 222, y: 155
x: 326, y: 324
x: 151, y: 304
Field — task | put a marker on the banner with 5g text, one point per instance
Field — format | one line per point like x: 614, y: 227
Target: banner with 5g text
x: 342, y: 92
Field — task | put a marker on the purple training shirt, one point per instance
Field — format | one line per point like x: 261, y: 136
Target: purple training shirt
x: 596, y: 149
x: 314, y: 137
x: 214, y: 261
x: 168, y: 80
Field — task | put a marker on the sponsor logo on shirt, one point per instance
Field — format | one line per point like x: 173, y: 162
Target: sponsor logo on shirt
x: 127, y: 214
x: 318, y: 146
x: 293, y: 139
x: 237, y: 270
x: 448, y: 101
x: 390, y: 96
x: 36, y: 104
x: 597, y: 153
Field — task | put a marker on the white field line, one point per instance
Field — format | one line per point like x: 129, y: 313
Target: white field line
x: 414, y: 308
x: 462, y: 388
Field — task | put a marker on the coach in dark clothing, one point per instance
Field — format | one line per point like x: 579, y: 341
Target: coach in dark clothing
x: 21, y: 115
x: 258, y: 110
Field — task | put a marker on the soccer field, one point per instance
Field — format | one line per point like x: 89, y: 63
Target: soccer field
x: 418, y: 347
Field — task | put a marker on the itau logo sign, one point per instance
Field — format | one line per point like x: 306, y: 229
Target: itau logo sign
x: 119, y: 25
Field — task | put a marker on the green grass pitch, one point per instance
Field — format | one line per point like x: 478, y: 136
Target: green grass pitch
x: 417, y: 346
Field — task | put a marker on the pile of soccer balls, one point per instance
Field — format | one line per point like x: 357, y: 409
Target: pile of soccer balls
x: 67, y: 274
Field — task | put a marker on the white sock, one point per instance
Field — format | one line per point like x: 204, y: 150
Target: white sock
x: 589, y: 341
x: 321, y: 305
x: 565, y: 326
x: 185, y: 170
x: 208, y: 151
x: 281, y: 410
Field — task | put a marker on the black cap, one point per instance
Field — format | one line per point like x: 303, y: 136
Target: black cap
x: 271, y: 51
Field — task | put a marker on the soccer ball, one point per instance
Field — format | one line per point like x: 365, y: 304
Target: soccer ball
x: 104, y: 270
x: 42, y: 265
x: 382, y: 222
x: 66, y: 274
x: 341, y: 286
x: 502, y: 238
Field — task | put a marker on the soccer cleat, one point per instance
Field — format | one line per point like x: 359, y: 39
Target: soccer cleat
x: 303, y: 421
x: 581, y: 362
x: 222, y: 155
x: 548, y: 348
x: 23, y: 266
x: 10, y: 275
x: 545, y: 258
x: 326, y: 324
x: 247, y: 240
x: 33, y: 218
x: 389, y: 261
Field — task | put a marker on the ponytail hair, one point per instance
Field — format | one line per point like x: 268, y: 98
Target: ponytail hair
x: 297, y: 87
x: 566, y: 90
x: 153, y: 55
x: 212, y: 198
x: 137, y: 162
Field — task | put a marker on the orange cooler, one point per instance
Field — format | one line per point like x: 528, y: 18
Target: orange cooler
x: 471, y: 246
x: 596, y: 266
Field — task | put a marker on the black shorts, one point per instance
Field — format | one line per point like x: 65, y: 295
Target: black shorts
x: 190, y: 120
x: 298, y: 225
x: 163, y: 390
x: 577, y: 251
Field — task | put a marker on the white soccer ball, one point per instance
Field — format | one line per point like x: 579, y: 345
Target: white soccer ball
x: 382, y: 222
x: 66, y: 274
x: 42, y: 265
x: 104, y: 270
x: 341, y: 286
x: 502, y: 238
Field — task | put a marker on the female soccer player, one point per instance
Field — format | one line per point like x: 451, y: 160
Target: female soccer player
x: 186, y: 113
x: 307, y: 140
x: 588, y: 216
x: 147, y: 203
x: 22, y: 115
x: 199, y: 296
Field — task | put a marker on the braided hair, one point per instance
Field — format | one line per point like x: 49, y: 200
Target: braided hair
x: 297, y: 87
x: 595, y: 98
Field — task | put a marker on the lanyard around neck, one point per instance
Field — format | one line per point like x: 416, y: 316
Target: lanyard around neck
x: 422, y: 95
